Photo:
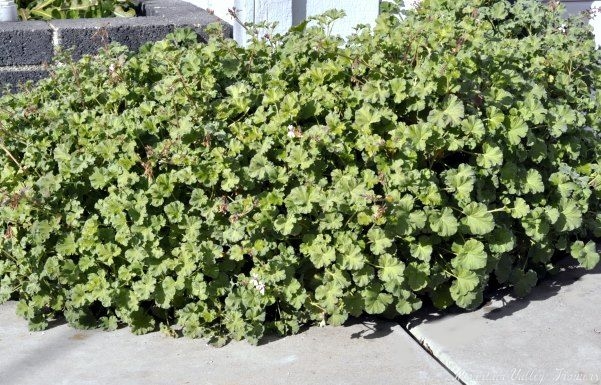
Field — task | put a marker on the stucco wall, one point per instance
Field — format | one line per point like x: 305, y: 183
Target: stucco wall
x: 219, y: 7
x: 357, y: 12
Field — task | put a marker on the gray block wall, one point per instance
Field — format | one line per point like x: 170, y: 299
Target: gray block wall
x: 27, y: 47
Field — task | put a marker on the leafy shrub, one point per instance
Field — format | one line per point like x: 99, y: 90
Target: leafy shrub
x: 74, y: 9
x: 230, y: 190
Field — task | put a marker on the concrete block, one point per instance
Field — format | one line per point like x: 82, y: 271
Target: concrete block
x: 86, y: 36
x: 25, y: 43
x: 13, y: 77
x: 168, y: 8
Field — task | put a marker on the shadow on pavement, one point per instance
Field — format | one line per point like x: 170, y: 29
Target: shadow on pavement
x: 56, y: 322
x: 374, y: 328
x: 547, y: 287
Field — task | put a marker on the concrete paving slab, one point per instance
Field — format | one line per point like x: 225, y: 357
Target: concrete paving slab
x: 551, y: 337
x: 371, y: 352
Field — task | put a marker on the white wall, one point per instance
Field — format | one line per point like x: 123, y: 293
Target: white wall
x: 219, y: 7
x: 357, y: 12
x: 257, y: 11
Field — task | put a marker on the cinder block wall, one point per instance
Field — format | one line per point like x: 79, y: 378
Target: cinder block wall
x: 27, y: 47
x: 24, y: 48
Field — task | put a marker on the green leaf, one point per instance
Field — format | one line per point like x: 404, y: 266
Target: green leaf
x: 375, y: 300
x: 454, y: 110
x: 441, y: 297
x: 260, y: 167
x: 379, y: 242
x: 301, y: 199
x: 523, y: 282
x: 473, y: 127
x: 175, y: 211
x: 353, y: 303
x: 398, y: 87
x: 503, y: 268
x: 419, y: 134
x: 491, y: 156
x: 501, y: 240
x: 338, y: 318
x: 407, y: 306
x: 443, y: 223
x: 495, y: 117
x: 585, y: 254
x: 534, y: 182
x: 284, y: 224
x: 517, y: 130
x: 417, y: 275
x: 165, y: 293
x: 363, y: 276
x: 520, y: 208
x: 390, y: 268
x: 469, y: 256
x: 552, y: 214
x: 319, y: 250
x: 351, y: 258
x: 231, y: 190
x: 464, y: 289
x: 570, y: 217
x: 67, y: 246
x: 365, y: 117
x: 141, y: 322
x: 461, y: 181
x: 499, y: 11
x: 120, y: 12
x: 144, y: 287
x: 328, y: 295
x: 6, y: 288
x: 478, y: 219
x: 422, y: 249
x: 295, y: 295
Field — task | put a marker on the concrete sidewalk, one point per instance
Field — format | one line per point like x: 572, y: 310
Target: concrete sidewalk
x: 363, y: 353
x: 551, y: 337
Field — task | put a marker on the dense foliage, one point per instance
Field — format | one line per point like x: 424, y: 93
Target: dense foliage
x: 74, y: 9
x: 228, y: 191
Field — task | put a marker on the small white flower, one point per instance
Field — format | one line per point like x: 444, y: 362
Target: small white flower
x: 562, y: 28
x: 257, y: 284
x: 294, y: 132
x: 291, y: 132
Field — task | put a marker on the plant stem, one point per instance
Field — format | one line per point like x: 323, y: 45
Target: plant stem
x: 3, y: 147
